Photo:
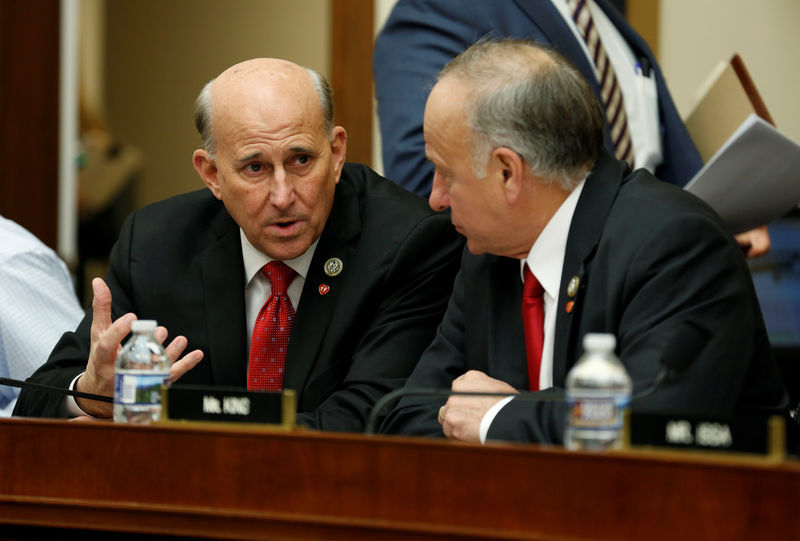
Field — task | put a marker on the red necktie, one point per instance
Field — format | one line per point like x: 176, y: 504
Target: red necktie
x: 271, y: 332
x: 533, y: 321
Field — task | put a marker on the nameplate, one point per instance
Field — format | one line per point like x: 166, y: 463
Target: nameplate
x: 230, y: 405
x: 745, y: 435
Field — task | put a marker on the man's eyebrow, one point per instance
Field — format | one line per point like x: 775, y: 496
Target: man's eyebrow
x: 302, y: 150
x: 249, y: 157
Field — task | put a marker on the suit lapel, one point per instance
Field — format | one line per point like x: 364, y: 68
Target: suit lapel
x: 506, y: 335
x: 587, y: 225
x: 223, y: 277
x: 321, y: 291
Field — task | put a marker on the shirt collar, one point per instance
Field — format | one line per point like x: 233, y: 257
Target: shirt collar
x: 546, y: 257
x: 254, y: 259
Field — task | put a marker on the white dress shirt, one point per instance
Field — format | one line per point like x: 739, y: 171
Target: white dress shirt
x: 37, y: 305
x: 546, y: 260
x: 638, y: 89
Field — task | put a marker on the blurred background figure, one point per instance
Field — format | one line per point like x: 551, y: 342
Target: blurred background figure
x: 37, y: 304
x: 643, y: 125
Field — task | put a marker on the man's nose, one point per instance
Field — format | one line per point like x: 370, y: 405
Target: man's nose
x: 281, y: 193
x: 439, y: 199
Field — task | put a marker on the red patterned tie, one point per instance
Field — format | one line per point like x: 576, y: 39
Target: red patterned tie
x: 533, y: 321
x: 613, y: 102
x: 271, y: 331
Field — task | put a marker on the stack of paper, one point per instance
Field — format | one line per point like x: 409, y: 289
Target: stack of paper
x: 752, y: 171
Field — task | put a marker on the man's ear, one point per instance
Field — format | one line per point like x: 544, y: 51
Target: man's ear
x: 511, y: 168
x: 338, y: 150
x: 207, y: 169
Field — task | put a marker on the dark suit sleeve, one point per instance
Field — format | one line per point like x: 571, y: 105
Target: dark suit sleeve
x: 404, y: 66
x: 691, y: 270
x: 411, y: 301
x: 441, y: 363
x: 419, y: 38
x: 688, y: 270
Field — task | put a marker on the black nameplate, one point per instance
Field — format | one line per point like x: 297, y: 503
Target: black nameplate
x: 194, y: 403
x: 739, y: 435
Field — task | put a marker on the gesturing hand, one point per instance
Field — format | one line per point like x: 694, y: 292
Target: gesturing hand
x: 106, y: 343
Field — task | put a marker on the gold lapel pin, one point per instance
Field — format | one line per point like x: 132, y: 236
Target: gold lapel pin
x: 572, y: 287
x: 333, y: 266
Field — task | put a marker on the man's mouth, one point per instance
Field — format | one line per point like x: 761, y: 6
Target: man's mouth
x: 285, y: 227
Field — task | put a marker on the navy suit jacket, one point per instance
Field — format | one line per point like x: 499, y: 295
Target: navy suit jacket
x: 649, y: 257
x: 180, y: 262
x: 421, y: 36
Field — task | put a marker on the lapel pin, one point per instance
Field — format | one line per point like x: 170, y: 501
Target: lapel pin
x: 572, y: 287
x: 333, y: 266
x: 323, y: 289
x: 570, y: 306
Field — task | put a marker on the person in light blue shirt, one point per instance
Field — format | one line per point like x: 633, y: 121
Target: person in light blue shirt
x: 37, y: 305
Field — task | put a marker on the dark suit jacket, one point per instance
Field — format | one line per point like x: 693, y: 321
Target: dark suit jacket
x: 421, y: 36
x: 180, y: 262
x: 649, y: 257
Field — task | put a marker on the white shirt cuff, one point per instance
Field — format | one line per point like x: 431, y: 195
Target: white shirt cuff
x: 69, y: 406
x: 489, y: 416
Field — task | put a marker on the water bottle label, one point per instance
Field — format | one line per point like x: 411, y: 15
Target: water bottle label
x: 601, y: 412
x: 139, y: 389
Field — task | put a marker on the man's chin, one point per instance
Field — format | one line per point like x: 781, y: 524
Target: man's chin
x: 285, y: 249
x: 474, y: 247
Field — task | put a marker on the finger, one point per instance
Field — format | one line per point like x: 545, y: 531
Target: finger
x: 109, y: 343
x: 84, y: 419
x: 176, y: 347
x: 189, y: 361
x: 160, y: 334
x: 101, y: 306
x: 441, y: 415
x: 760, y: 242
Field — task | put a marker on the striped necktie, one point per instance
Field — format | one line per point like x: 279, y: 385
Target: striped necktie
x: 613, y: 102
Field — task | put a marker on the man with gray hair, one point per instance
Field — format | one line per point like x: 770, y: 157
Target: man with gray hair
x: 291, y: 270
x: 564, y: 240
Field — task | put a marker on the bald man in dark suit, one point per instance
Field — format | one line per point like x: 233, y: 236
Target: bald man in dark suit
x: 374, y: 265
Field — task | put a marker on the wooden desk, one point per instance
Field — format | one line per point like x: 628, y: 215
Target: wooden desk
x: 232, y: 483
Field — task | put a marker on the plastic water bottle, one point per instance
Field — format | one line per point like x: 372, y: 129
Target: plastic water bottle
x: 598, y: 393
x: 141, y: 370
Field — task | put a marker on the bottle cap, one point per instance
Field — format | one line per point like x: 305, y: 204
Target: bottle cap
x: 144, y: 325
x: 601, y: 341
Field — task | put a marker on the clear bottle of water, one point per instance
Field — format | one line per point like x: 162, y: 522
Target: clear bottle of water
x: 140, y: 371
x: 598, y: 393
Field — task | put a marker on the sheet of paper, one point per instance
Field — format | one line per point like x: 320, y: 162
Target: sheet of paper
x: 753, y: 179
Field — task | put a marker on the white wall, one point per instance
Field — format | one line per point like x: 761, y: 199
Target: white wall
x: 697, y: 34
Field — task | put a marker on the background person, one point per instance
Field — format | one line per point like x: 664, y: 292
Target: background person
x: 421, y: 36
x: 37, y: 304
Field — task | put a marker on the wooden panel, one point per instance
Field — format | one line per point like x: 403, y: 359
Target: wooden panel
x: 643, y: 15
x: 29, y: 60
x: 351, y: 79
x: 246, y: 483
